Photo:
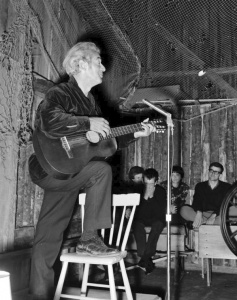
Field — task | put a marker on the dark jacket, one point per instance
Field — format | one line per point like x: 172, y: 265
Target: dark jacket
x: 207, y: 199
x: 65, y: 111
x: 152, y: 209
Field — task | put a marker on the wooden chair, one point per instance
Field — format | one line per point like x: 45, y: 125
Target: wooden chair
x: 124, y: 200
x: 212, y: 245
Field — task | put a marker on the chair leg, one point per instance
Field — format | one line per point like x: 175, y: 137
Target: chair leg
x: 125, y: 280
x: 85, y: 280
x: 112, y: 283
x: 176, y: 267
x: 203, y: 267
x: 209, y: 270
x: 61, y: 281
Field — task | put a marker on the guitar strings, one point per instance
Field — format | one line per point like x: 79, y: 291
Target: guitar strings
x: 116, y: 131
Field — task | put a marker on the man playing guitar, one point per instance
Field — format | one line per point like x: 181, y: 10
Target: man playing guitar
x: 67, y: 110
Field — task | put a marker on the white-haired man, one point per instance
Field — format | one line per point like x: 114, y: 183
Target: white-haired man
x: 69, y: 109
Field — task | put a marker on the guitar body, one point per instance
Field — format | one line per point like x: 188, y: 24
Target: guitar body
x: 64, y: 157
x: 56, y: 161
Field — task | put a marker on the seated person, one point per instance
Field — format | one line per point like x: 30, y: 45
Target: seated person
x: 151, y: 212
x: 134, y: 184
x: 135, y: 176
x: 179, y: 192
x: 207, y: 199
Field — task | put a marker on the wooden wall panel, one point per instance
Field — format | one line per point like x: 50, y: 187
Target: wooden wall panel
x: 230, y: 155
x: 14, y: 99
x: 8, y: 175
x: 3, y: 15
x: 29, y: 201
x: 205, y: 138
x: 214, y: 137
x: 158, y: 150
x: 176, y: 147
x: 138, y: 153
x: 222, y: 141
x: 196, y: 151
x: 145, y: 152
x: 163, y: 169
x: 186, y: 143
x: 25, y: 203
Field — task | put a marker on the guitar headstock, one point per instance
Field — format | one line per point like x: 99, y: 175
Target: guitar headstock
x: 159, y: 124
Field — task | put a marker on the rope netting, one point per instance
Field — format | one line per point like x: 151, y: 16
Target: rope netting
x: 123, y: 66
x: 150, y: 43
x: 16, y: 91
x: 175, y: 39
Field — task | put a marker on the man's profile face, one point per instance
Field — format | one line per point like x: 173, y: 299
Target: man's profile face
x: 95, y: 68
x: 214, y: 173
x: 138, y: 178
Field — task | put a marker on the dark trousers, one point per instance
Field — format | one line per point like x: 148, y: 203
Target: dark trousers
x: 147, y: 248
x: 57, y: 207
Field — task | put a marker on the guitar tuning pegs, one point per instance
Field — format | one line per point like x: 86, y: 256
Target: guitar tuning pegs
x: 160, y: 130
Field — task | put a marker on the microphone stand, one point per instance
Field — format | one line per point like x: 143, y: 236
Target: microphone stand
x: 170, y: 127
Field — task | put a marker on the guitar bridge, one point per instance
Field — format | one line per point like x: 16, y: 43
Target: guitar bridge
x: 66, y: 147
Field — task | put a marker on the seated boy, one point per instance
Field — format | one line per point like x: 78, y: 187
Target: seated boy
x: 151, y: 212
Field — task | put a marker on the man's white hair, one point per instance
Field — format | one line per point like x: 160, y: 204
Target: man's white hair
x: 80, y: 51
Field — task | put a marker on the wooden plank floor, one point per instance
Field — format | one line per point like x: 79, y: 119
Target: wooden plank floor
x: 190, y: 286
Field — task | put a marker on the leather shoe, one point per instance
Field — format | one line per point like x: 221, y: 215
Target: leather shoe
x: 150, y: 267
x: 146, y: 265
x: 95, y: 246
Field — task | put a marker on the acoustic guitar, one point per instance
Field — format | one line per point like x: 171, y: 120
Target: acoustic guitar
x: 66, y: 156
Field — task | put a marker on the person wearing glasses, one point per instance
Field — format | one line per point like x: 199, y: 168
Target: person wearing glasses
x: 207, y: 199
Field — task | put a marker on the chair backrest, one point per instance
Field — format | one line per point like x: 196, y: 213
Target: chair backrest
x: 121, y: 226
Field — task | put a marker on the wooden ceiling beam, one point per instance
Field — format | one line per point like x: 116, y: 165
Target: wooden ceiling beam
x: 219, y: 71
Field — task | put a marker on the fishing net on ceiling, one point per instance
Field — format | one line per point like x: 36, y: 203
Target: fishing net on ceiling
x: 96, y: 24
x: 154, y: 43
x: 176, y: 39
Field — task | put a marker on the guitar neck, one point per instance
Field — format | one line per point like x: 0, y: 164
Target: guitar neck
x: 122, y: 130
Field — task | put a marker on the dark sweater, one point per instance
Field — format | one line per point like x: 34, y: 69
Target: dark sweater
x: 152, y: 209
x: 207, y: 199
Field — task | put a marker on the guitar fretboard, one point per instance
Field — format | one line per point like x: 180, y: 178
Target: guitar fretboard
x: 122, y: 130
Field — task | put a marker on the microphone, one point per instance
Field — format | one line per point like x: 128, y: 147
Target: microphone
x: 161, y: 111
